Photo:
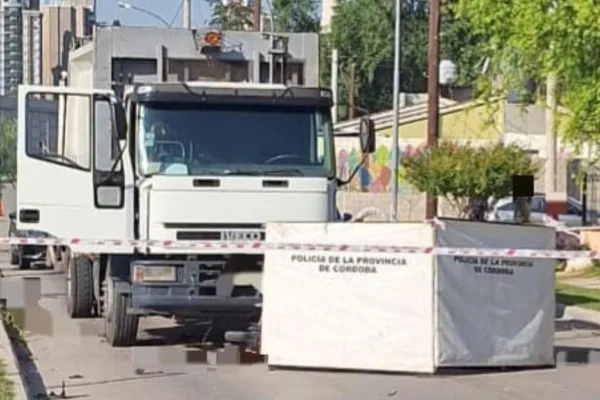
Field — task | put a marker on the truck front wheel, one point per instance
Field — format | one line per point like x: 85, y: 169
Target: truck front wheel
x: 80, y: 289
x: 120, y: 328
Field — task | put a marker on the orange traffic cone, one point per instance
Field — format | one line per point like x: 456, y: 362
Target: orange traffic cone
x: 1, y: 207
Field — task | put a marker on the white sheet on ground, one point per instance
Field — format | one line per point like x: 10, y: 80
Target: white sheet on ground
x: 366, y: 311
x: 494, y: 311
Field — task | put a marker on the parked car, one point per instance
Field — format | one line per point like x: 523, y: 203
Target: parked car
x: 344, y: 217
x: 25, y: 255
x: 504, y: 209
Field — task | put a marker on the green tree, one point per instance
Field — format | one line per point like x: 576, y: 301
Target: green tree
x: 233, y: 16
x: 325, y: 59
x: 363, y: 33
x: 468, y: 176
x: 8, y: 152
x: 525, y: 40
x: 460, y: 44
x: 296, y: 15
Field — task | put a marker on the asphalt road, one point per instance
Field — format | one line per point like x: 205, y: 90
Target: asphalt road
x: 73, y: 352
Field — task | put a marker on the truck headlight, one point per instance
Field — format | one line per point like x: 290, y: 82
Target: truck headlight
x: 154, y: 273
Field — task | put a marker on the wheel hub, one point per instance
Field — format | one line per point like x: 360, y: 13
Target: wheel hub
x: 69, y: 291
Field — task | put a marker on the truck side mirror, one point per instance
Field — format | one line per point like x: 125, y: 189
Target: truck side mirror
x: 366, y: 135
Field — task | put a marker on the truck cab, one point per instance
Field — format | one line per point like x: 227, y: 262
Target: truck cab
x: 202, y: 166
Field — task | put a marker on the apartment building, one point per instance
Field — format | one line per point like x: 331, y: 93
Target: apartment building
x: 35, y: 38
x: 62, y: 23
x: 32, y: 47
x: 11, y: 46
x: 66, y: 3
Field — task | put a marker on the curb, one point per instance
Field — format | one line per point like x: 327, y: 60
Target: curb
x: 581, y: 314
x: 7, y: 353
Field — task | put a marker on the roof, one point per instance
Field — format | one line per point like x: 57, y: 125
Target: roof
x: 231, y: 93
x: 385, y: 119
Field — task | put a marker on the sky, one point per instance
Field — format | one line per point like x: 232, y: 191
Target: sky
x: 108, y: 11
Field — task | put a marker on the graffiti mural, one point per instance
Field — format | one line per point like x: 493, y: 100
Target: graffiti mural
x: 375, y: 176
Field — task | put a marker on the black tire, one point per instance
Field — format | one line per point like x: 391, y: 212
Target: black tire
x: 14, y: 258
x: 80, y: 281
x: 120, y: 328
x: 220, y: 326
x: 22, y: 262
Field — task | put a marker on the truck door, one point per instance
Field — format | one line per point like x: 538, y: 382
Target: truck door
x: 72, y: 166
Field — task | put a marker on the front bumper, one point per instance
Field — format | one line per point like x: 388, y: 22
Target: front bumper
x: 202, y: 288
x: 194, y: 306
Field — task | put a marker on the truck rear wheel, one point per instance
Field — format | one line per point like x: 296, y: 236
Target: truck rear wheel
x: 120, y: 328
x: 80, y: 289
x: 14, y: 258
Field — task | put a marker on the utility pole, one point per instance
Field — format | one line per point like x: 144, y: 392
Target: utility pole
x: 187, y: 14
x: 551, y: 145
x: 256, y: 15
x: 396, y: 125
x: 433, y: 100
x: 284, y: 59
x: 271, y: 45
x: 351, y: 90
x: 334, y: 83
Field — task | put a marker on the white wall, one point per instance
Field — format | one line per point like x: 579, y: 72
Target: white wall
x: 538, y: 143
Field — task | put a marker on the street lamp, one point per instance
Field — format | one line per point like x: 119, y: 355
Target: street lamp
x: 128, y: 6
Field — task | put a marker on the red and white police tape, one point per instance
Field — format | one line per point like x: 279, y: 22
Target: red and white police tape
x: 244, y: 247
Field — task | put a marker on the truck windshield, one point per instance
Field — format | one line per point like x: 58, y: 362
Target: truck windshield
x: 208, y: 139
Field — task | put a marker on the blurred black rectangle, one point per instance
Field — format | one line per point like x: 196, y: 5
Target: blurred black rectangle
x: 522, y: 186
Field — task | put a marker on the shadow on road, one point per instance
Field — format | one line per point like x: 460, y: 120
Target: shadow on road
x: 192, y: 344
x: 200, y: 333
x: 58, y: 388
x: 192, y: 332
x: 452, y: 371
x: 442, y: 372
x: 562, y: 355
x: 565, y: 299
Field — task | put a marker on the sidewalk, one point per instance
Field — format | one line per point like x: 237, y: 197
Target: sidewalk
x: 589, y: 279
x: 4, y: 222
x: 583, y: 282
x: 8, y: 356
x: 574, y: 313
x: 580, y: 290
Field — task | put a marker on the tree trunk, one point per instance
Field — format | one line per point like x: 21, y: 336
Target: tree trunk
x: 476, y: 209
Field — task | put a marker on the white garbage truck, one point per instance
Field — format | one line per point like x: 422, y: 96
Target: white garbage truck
x: 191, y: 161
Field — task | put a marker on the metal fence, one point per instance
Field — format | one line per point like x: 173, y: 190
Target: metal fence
x: 590, y: 191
